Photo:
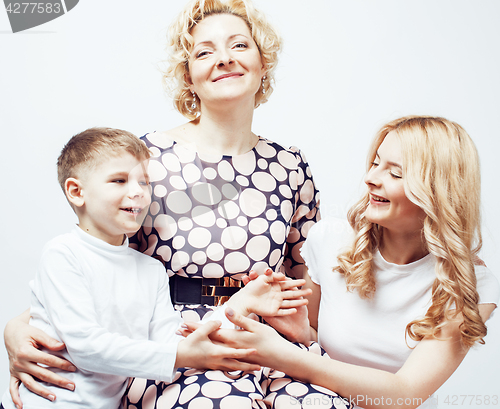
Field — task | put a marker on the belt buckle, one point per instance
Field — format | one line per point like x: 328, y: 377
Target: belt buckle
x: 209, y: 290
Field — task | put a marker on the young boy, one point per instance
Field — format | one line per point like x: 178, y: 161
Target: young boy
x: 110, y: 304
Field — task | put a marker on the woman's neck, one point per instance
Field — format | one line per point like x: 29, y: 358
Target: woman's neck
x: 402, y: 248
x: 225, y: 131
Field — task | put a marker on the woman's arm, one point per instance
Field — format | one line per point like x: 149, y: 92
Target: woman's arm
x: 429, y: 365
x: 22, y: 342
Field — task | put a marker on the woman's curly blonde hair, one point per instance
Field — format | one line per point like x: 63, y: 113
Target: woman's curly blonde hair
x: 442, y: 176
x: 180, y: 43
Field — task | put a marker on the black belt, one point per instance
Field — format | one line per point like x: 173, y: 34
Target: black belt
x: 195, y: 290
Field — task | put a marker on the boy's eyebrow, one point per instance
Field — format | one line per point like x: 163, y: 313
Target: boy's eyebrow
x: 114, y: 175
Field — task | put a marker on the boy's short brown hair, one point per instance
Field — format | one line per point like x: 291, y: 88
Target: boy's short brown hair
x: 90, y: 148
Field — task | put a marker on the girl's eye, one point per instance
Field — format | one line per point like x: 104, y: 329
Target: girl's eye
x: 395, y: 176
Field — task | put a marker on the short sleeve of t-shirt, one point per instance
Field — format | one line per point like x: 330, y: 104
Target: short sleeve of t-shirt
x: 325, y: 241
x: 330, y: 236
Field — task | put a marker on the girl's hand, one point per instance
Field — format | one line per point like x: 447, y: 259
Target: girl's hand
x: 22, y: 342
x: 198, y: 350
x: 295, y: 327
x: 268, y: 295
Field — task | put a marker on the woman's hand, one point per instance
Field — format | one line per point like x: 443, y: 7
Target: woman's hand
x: 295, y: 327
x: 198, y: 350
x: 270, y: 294
x: 22, y: 342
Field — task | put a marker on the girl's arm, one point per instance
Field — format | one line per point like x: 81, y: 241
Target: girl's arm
x: 22, y: 342
x: 430, y: 364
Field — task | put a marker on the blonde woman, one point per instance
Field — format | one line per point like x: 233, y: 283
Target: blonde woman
x: 397, y: 298
x: 225, y: 201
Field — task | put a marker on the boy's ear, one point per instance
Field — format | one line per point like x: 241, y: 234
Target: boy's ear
x: 74, y: 192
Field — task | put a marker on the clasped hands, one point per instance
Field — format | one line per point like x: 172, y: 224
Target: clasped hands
x: 278, y: 299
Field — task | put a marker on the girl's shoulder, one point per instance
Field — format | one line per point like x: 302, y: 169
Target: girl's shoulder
x: 334, y: 232
x: 325, y: 241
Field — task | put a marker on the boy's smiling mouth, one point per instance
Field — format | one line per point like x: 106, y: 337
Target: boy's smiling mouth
x: 132, y: 210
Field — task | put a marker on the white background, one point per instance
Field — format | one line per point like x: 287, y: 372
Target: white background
x: 347, y: 68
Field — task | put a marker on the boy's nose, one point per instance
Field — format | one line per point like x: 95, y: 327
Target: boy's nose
x: 135, y: 190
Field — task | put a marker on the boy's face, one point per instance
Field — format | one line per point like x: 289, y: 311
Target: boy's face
x: 116, y: 195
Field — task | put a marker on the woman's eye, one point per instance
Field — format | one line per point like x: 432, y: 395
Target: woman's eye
x: 395, y: 176
x: 118, y: 181
x: 374, y: 164
x: 202, y: 54
x: 241, y: 45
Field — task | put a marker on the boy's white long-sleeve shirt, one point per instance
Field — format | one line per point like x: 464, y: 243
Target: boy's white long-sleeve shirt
x: 111, y: 306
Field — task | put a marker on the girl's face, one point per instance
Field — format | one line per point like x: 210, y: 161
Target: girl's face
x: 389, y: 207
x: 225, y: 63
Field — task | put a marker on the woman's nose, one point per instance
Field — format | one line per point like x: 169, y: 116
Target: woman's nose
x: 224, y: 59
x: 372, y: 177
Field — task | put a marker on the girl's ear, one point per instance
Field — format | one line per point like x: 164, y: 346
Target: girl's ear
x: 74, y: 192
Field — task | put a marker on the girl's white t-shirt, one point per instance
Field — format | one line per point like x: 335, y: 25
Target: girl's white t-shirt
x: 371, y: 332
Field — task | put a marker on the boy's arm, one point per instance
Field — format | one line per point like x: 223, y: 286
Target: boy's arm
x: 70, y: 306
x: 96, y: 349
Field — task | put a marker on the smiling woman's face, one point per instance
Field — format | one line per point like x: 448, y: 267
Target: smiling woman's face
x: 225, y: 64
x: 389, y: 207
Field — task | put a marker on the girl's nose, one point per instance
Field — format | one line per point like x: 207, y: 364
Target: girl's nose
x: 372, y: 177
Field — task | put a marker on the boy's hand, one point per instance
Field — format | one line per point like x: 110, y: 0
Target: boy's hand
x: 197, y: 350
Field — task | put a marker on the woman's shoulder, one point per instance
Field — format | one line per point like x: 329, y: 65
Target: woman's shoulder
x: 165, y: 139
x: 334, y: 230
x: 326, y: 240
x: 280, y: 149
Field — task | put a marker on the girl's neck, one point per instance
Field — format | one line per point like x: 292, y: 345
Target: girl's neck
x: 402, y: 248
x: 225, y: 131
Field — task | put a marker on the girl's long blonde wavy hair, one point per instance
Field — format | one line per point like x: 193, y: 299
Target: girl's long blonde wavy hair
x: 180, y: 42
x: 441, y: 175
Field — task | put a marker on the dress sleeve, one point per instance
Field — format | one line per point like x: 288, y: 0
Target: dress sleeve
x: 305, y: 216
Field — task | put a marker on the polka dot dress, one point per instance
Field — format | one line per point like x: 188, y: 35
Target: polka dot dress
x: 215, y: 216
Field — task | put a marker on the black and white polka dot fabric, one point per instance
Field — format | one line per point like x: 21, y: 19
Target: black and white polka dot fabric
x: 215, y: 216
